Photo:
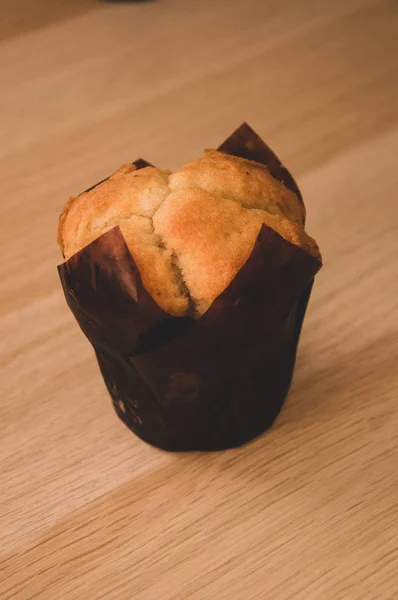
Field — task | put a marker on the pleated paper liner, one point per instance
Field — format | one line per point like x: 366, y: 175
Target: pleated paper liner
x: 206, y: 384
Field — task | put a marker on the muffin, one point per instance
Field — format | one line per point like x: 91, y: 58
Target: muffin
x: 192, y: 286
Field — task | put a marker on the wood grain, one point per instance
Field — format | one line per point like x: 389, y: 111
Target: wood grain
x: 307, y: 511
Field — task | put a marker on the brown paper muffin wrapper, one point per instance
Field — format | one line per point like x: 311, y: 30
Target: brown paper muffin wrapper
x: 205, y: 384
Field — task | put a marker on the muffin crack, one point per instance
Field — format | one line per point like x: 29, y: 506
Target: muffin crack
x: 175, y: 267
x: 176, y: 271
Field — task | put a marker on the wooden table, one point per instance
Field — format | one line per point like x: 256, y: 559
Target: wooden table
x: 307, y: 511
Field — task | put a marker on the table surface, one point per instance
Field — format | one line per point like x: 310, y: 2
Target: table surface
x: 310, y: 509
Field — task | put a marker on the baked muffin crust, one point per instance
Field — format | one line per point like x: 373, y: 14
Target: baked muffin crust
x: 190, y: 231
